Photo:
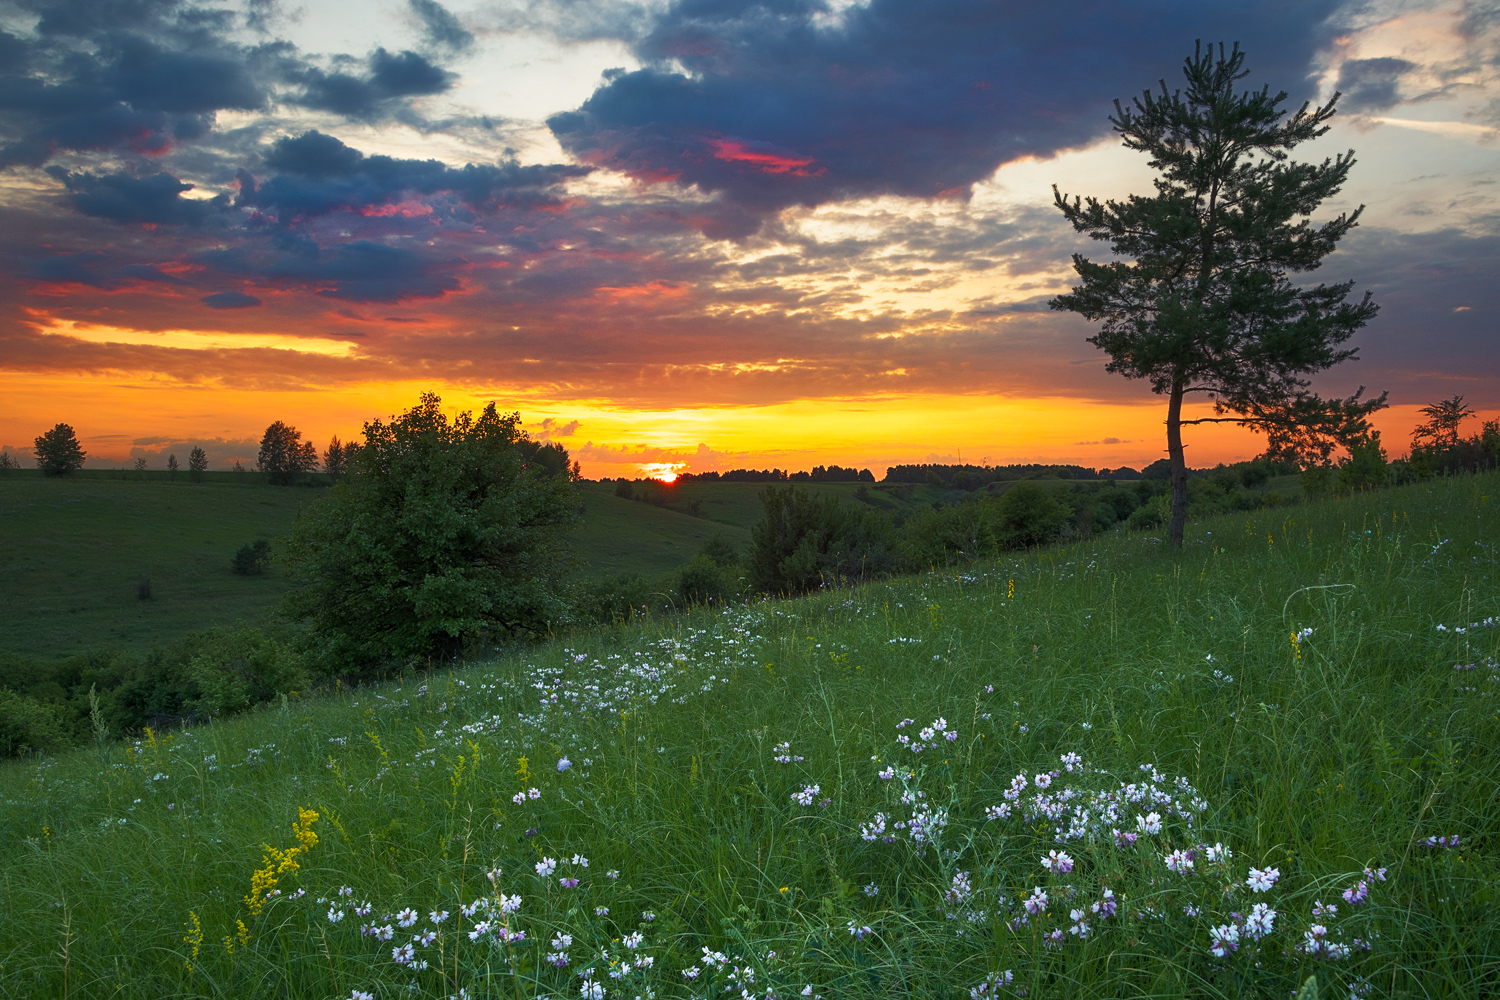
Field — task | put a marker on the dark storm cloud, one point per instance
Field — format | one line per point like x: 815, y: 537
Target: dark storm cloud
x: 316, y: 173
x: 230, y: 300
x: 129, y: 93
x: 1371, y: 84
x: 146, y: 76
x: 377, y: 93
x: 156, y: 199
x: 373, y: 272
x: 760, y: 102
x: 440, y: 28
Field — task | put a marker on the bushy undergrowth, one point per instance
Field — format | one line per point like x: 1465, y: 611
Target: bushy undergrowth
x: 1107, y: 770
x: 50, y: 705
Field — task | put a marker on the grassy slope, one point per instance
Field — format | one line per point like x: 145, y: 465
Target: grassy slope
x: 73, y: 550
x: 1318, y: 758
x: 620, y: 536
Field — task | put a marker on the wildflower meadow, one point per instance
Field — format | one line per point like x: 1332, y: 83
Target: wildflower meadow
x: 1102, y: 770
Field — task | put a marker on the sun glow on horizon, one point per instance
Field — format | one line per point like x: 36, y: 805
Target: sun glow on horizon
x: 665, y: 472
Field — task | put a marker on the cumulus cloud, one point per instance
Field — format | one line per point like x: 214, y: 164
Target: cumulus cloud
x: 376, y: 93
x: 315, y: 173
x: 1371, y: 85
x: 153, y: 200
x: 768, y: 106
x: 230, y: 300
x: 440, y: 28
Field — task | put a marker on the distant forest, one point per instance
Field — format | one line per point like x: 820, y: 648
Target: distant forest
x: 819, y: 474
x: 953, y: 476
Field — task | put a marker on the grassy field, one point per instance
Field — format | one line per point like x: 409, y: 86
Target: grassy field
x: 73, y: 552
x: 1108, y: 770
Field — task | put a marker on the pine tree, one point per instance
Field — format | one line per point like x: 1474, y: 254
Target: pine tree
x: 1200, y: 301
x: 58, y: 451
x: 197, y: 463
x: 1443, y: 420
x: 333, y: 459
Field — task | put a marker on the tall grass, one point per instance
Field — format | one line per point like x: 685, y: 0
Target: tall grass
x: 128, y: 868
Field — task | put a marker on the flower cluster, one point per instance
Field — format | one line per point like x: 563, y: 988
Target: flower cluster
x: 784, y: 754
x: 927, y: 736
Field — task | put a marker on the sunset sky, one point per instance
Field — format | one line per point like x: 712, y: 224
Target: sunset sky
x: 704, y: 234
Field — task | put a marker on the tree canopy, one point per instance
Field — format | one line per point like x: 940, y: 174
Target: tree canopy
x: 58, y: 451
x: 284, y: 455
x: 1443, y: 420
x: 1199, y: 299
x: 441, y: 531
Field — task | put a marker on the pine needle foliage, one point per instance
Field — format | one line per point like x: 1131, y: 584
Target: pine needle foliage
x: 1201, y: 300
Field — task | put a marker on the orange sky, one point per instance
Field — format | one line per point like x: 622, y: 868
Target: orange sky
x: 681, y: 240
x: 117, y: 420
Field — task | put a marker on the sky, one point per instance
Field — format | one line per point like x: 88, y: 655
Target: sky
x: 703, y: 234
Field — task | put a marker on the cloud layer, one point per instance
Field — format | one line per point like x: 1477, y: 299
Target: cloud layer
x: 777, y: 200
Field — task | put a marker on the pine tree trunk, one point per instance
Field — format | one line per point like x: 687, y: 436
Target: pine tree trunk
x: 1178, y: 461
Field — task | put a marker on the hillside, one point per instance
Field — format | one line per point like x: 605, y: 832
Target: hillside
x: 73, y: 552
x: 1132, y: 772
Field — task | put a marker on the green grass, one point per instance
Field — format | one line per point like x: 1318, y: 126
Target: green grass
x: 1319, y: 757
x: 75, y: 550
x: 626, y: 536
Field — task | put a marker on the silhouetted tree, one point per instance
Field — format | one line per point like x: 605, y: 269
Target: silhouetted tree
x: 1201, y: 302
x: 172, y: 465
x: 58, y: 451
x: 197, y: 463
x: 334, y: 459
x: 284, y: 455
x: 1443, y: 420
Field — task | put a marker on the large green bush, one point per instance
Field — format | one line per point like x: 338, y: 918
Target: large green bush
x: 234, y: 668
x: 442, y: 531
x: 31, y: 726
x: 805, y: 541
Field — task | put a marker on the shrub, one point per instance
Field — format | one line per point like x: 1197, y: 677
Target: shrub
x: 252, y: 557
x: 624, y: 489
x: 1317, y: 481
x: 803, y: 542
x: 143, y: 588
x: 31, y: 726
x: 953, y: 533
x: 1028, y: 515
x: 1150, y: 515
x: 610, y: 600
x: 234, y: 668
x: 1366, y: 466
x: 442, y: 531
x: 714, y: 574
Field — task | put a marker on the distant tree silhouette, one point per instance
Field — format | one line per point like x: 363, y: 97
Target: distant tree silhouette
x: 1443, y: 419
x: 1200, y: 301
x: 172, y: 465
x: 197, y: 463
x: 335, y: 458
x: 284, y: 455
x: 58, y: 451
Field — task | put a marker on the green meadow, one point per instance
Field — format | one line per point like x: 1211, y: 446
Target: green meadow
x: 1099, y: 770
x: 75, y: 549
